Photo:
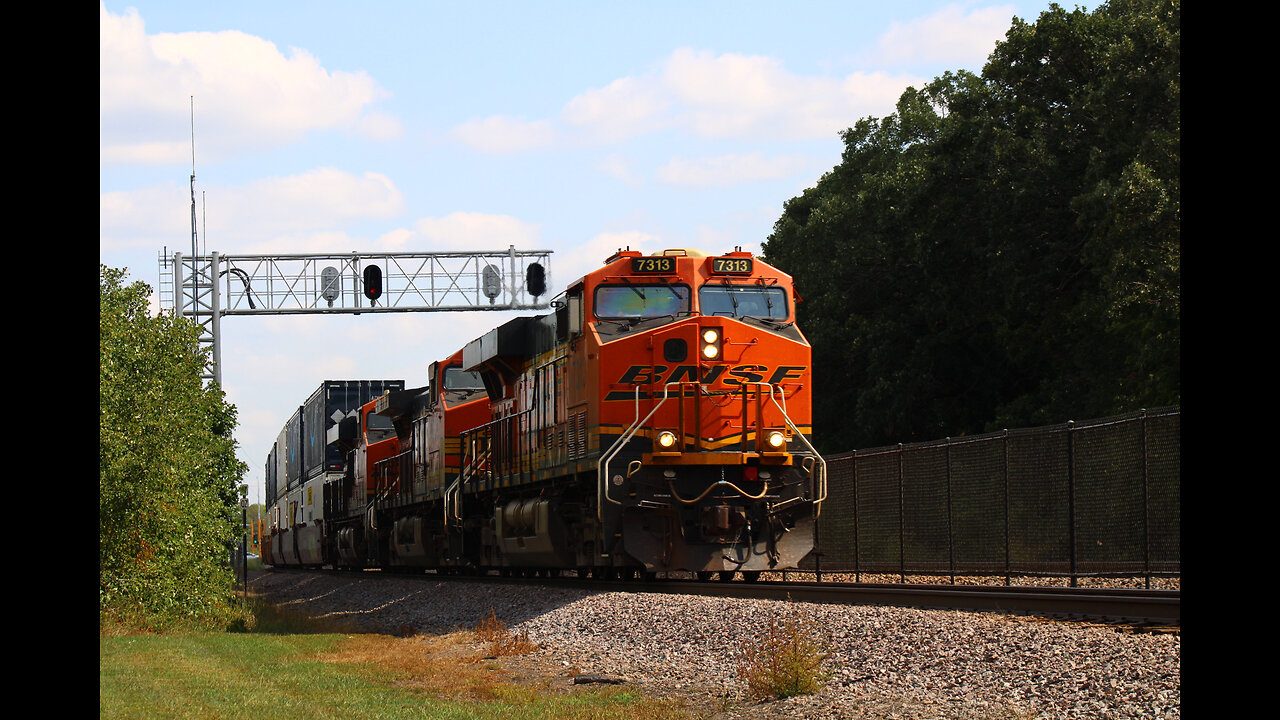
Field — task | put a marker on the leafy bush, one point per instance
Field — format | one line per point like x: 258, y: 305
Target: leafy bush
x: 167, y: 471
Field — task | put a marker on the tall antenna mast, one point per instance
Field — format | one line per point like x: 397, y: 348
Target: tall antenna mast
x: 194, y: 240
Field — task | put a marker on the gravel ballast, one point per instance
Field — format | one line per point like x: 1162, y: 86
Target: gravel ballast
x: 885, y: 662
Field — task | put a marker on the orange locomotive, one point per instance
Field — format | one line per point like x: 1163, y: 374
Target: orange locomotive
x: 657, y: 420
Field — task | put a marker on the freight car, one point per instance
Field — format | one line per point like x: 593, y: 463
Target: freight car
x: 658, y: 419
x: 302, y: 467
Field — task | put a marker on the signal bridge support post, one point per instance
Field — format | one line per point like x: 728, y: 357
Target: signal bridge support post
x: 207, y: 288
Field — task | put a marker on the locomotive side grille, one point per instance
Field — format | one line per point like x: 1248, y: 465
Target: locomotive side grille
x: 578, y: 435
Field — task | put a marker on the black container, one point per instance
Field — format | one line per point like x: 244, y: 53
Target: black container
x: 269, y: 477
x: 292, y: 459
x: 327, y: 405
x: 301, y: 451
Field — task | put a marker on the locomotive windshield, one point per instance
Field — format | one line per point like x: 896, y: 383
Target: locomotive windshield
x: 379, y: 428
x: 743, y: 301
x: 455, y: 378
x: 640, y: 301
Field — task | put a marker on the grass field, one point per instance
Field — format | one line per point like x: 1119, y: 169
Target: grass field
x: 282, y: 671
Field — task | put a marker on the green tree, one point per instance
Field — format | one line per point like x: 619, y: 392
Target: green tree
x: 1003, y: 249
x: 168, y: 477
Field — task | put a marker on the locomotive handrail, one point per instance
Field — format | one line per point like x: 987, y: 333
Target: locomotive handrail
x: 822, y: 464
x: 383, y: 470
x: 602, y: 465
x: 464, y: 474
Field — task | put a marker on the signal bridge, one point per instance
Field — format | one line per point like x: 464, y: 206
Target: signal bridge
x: 205, y: 288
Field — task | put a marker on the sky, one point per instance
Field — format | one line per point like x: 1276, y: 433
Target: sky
x: 575, y: 127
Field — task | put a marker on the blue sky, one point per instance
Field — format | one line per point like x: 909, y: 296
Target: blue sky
x: 575, y: 127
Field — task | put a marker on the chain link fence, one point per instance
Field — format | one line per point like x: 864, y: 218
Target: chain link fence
x: 1090, y: 499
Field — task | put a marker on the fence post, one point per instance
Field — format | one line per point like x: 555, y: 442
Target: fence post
x: 857, y: 567
x: 951, y: 539
x: 1146, y: 503
x: 1005, y: 442
x: 902, y: 529
x: 1071, y: 499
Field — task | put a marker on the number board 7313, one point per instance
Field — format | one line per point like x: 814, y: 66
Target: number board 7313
x: 653, y: 264
x: 731, y: 265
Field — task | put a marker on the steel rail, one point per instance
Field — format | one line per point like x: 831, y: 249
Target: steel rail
x: 1131, y: 606
x: 1155, y: 607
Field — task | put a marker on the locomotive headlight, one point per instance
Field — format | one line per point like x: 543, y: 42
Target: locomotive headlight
x: 710, y: 344
x: 775, y: 440
x: 668, y: 442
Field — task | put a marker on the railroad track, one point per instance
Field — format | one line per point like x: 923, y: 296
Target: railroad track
x: 1145, y: 609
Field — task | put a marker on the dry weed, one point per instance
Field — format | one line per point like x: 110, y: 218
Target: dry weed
x: 788, y: 661
x: 501, y: 640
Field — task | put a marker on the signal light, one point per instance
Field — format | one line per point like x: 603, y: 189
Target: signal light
x: 373, y: 282
x: 710, y: 344
x: 535, y: 280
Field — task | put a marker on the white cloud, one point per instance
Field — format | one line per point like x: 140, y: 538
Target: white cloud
x: 320, y: 198
x: 619, y: 168
x: 624, y: 108
x: 247, y: 93
x: 380, y: 127
x: 732, y: 95
x: 475, y: 231
x: 501, y: 134
x: 951, y: 36
x: 730, y: 169
x: 147, y: 218
x: 276, y: 211
x: 312, y: 242
x: 572, y: 263
x: 397, y: 240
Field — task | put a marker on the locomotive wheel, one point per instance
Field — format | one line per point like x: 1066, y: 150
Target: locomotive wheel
x: 750, y: 575
x: 726, y: 575
x: 705, y: 575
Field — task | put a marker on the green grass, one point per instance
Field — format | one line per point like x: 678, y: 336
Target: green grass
x: 286, y: 671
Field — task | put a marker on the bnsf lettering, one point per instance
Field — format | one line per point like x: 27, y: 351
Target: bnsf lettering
x: 745, y: 373
x: 656, y: 374
x: 786, y: 372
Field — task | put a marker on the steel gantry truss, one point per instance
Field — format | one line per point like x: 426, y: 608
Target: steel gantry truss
x: 206, y: 288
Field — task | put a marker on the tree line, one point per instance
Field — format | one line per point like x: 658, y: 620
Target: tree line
x: 1003, y: 250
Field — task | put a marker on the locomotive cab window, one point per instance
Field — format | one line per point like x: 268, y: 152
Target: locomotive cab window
x: 743, y: 301
x: 379, y: 428
x: 455, y: 378
x: 618, y: 302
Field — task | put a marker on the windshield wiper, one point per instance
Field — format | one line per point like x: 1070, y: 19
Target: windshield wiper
x: 634, y: 289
